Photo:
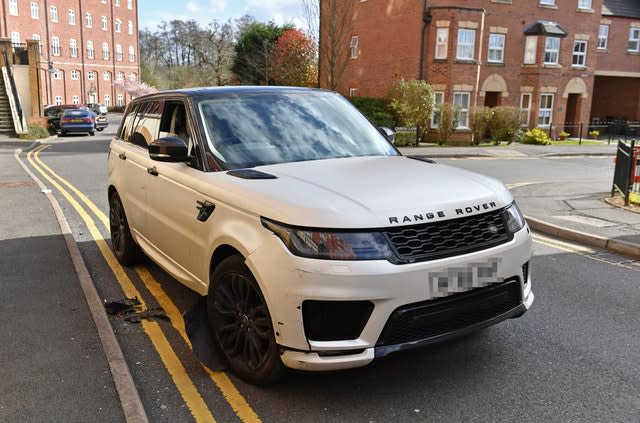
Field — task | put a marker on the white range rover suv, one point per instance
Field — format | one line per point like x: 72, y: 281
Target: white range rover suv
x: 318, y: 245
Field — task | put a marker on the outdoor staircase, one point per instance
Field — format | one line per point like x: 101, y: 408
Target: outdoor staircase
x: 6, y: 117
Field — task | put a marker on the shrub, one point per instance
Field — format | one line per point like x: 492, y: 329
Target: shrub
x: 536, y: 136
x: 478, y: 122
x: 412, y: 103
x: 504, y: 124
x: 376, y: 109
x: 594, y: 133
x: 37, y: 128
x: 405, y: 139
x: 448, y: 122
x: 564, y: 134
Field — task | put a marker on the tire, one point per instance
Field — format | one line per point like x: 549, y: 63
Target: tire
x: 63, y: 133
x: 241, y: 324
x: 92, y: 133
x: 99, y: 129
x: 124, y: 247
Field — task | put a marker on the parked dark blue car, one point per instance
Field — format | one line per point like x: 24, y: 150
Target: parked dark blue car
x: 77, y: 120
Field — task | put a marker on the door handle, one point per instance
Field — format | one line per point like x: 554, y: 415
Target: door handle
x: 123, y: 156
x: 152, y: 171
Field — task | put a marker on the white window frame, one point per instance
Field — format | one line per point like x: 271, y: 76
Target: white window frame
x: 548, y: 2
x: 130, y: 27
x: 57, y: 100
x: 56, y: 74
x: 132, y: 54
x: 35, y: 10
x: 603, y: 36
x: 117, y: 25
x: 353, y: 45
x: 551, y: 50
x: 75, y: 74
x: 91, y: 50
x: 105, y: 51
x: 104, y: 23
x: 438, y: 100
x: 71, y: 17
x: 13, y: 7
x: 545, y: 114
x: 120, y: 76
x: 466, y: 46
x: 106, y: 76
x: 120, y: 100
x: 15, y: 37
x: 75, y: 99
x: 530, y: 50
x: 53, y: 13
x: 442, y: 43
x: 119, y: 54
x: 116, y: 3
x: 585, y: 4
x: 462, y: 108
x: 91, y: 76
x: 634, y: 40
x: 525, y: 108
x: 107, y: 100
x: 56, y: 50
x: 73, y: 47
x: 88, y: 20
x: 353, y: 92
x: 496, y: 47
x: 579, y: 58
x: 130, y: 4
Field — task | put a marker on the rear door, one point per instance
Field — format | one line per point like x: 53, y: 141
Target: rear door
x: 129, y: 154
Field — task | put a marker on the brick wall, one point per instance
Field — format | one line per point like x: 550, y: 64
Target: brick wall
x: 47, y: 27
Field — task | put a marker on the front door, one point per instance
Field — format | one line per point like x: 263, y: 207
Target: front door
x: 492, y: 99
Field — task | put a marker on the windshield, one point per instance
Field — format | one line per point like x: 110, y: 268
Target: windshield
x: 247, y: 130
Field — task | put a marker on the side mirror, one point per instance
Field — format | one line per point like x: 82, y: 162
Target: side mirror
x: 391, y: 136
x: 169, y: 149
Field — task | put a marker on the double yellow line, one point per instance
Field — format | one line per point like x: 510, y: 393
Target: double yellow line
x: 192, y: 398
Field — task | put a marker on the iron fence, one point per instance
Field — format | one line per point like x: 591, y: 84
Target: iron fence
x: 626, y: 177
x: 596, y: 130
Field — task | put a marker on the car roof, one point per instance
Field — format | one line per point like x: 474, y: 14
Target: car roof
x: 204, y: 92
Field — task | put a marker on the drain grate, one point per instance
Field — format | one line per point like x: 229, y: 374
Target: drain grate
x: 16, y: 184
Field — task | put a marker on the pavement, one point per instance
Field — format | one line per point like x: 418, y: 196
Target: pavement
x: 57, y: 337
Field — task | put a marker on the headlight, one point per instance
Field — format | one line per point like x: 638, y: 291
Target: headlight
x: 514, y: 220
x: 331, y: 245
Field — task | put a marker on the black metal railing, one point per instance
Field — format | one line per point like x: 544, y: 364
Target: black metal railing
x: 627, y: 158
x: 595, y: 130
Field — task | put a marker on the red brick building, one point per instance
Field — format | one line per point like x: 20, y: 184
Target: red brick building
x: 85, y: 46
x: 557, y: 60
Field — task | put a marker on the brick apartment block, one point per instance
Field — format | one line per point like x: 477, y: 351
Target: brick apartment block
x: 85, y: 45
x: 558, y: 60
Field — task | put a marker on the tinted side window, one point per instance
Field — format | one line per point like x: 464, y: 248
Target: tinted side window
x: 145, y: 123
x: 127, y: 122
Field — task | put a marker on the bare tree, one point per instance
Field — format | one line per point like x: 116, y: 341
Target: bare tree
x: 215, y: 52
x: 335, y: 35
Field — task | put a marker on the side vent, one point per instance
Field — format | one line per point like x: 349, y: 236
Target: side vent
x: 250, y: 174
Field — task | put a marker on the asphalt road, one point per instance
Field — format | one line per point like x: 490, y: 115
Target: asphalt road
x: 572, y: 358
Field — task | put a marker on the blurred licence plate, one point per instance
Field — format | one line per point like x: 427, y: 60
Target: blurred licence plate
x: 76, y: 120
x: 461, y: 279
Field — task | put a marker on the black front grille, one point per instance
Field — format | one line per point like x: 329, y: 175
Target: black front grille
x: 449, y: 237
x: 428, y: 319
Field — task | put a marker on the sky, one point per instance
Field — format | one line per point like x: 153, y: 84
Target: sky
x: 153, y: 12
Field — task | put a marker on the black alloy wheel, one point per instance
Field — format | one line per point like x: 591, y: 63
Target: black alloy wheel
x: 241, y: 323
x: 124, y: 247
